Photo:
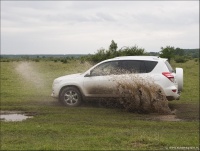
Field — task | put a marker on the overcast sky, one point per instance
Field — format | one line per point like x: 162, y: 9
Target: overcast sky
x: 83, y: 27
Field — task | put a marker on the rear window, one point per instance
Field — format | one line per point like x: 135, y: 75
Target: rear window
x: 169, y: 66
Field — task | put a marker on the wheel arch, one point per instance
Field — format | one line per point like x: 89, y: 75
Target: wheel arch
x: 75, y: 86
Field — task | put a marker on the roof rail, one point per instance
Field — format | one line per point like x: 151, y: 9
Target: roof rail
x: 138, y: 56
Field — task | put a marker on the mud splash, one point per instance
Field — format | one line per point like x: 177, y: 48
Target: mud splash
x: 168, y: 118
x: 171, y: 118
x: 139, y: 94
x: 30, y: 74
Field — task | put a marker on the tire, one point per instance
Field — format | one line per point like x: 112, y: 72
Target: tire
x: 71, y: 97
x: 179, y: 76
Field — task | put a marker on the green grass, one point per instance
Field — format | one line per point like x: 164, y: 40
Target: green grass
x: 190, y: 92
x: 188, y: 105
x: 90, y: 127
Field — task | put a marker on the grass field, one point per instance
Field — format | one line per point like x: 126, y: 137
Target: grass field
x: 26, y: 86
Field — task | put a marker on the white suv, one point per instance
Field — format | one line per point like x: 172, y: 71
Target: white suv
x: 71, y: 90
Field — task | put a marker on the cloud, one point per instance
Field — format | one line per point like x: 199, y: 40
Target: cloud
x: 84, y: 27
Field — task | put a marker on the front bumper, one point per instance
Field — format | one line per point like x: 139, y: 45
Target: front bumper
x: 55, y: 91
x: 53, y: 95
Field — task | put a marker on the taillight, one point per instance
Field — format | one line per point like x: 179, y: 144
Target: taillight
x: 169, y: 76
x: 174, y: 90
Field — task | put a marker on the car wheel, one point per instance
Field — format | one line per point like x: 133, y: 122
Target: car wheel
x: 70, y: 96
x: 179, y: 75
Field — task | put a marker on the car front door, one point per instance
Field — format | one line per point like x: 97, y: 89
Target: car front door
x: 101, y: 81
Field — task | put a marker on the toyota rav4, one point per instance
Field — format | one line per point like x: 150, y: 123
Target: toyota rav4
x: 71, y: 90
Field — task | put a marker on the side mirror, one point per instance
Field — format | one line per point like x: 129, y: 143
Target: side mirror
x: 88, y: 74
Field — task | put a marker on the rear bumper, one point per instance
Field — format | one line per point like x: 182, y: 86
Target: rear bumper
x: 173, y: 96
x: 172, y: 93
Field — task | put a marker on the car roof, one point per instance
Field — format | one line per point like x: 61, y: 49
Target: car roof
x: 149, y: 58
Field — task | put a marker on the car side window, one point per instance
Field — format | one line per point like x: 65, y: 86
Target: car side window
x: 107, y: 68
x: 133, y: 66
x: 123, y: 67
x: 150, y: 65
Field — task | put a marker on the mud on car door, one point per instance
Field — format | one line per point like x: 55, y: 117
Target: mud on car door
x: 100, y: 83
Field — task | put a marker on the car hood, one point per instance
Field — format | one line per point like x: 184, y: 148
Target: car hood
x: 66, y: 77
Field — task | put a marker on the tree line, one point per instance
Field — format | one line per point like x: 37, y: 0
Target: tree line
x: 112, y: 51
x: 169, y: 52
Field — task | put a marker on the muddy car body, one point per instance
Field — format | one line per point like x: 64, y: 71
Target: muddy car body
x: 100, y: 80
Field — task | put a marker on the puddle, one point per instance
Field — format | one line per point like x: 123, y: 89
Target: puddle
x: 11, y: 116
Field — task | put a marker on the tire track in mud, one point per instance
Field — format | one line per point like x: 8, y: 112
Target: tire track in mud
x: 30, y: 74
